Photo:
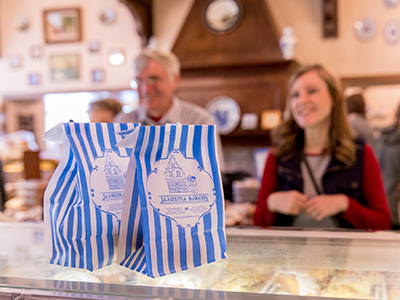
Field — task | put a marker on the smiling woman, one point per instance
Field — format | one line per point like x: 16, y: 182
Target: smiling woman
x: 317, y: 175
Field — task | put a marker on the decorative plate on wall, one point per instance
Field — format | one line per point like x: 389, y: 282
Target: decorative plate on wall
x: 226, y: 113
x: 391, y: 3
x: 108, y: 15
x: 391, y: 32
x: 22, y: 23
x: 365, y: 29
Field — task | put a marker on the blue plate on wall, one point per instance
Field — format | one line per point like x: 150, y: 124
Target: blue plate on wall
x: 226, y: 112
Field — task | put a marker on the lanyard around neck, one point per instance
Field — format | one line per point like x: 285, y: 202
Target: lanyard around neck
x: 310, y: 172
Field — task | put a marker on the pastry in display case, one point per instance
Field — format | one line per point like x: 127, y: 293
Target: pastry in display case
x: 243, y: 278
x: 239, y: 214
x: 347, y: 284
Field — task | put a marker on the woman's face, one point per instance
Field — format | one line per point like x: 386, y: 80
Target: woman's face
x: 310, y: 101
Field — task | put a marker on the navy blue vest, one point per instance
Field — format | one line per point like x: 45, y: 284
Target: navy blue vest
x: 339, y: 178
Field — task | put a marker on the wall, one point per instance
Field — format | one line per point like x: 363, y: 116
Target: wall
x: 120, y: 34
x: 345, y: 55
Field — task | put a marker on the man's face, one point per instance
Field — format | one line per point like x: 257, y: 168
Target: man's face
x: 156, y: 89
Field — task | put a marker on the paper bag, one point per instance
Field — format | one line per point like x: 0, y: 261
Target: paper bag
x: 83, y: 199
x: 173, y: 210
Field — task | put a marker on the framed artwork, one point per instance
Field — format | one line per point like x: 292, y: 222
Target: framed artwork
x: 26, y: 122
x: 34, y: 79
x: 270, y: 118
x: 249, y: 121
x: 36, y: 52
x: 97, y: 75
x: 62, y: 25
x: 25, y: 115
x: 64, y: 67
x: 94, y: 46
x: 15, y: 61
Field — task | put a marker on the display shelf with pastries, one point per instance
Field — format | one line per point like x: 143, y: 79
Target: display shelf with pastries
x: 261, y: 264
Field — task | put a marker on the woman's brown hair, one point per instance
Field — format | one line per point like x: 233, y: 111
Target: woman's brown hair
x: 288, y: 138
x: 356, y: 104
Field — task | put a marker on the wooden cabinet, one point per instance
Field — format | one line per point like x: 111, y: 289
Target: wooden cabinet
x: 245, y: 64
x: 255, y: 87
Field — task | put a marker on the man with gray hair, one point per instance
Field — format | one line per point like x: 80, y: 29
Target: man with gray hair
x: 157, y: 77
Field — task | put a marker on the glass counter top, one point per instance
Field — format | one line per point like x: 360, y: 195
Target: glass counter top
x: 261, y: 264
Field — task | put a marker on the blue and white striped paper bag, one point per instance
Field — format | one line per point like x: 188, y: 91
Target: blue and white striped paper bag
x: 173, y: 209
x: 83, y: 199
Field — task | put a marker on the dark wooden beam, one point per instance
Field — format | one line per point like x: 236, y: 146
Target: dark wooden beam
x: 142, y: 13
x: 330, y: 18
x: 365, y: 81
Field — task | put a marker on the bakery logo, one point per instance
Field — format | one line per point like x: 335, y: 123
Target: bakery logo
x: 107, y: 182
x: 176, y: 179
x: 114, y: 176
x: 188, y: 192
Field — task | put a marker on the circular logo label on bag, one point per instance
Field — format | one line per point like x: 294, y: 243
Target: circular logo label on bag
x: 178, y: 188
x: 107, y: 182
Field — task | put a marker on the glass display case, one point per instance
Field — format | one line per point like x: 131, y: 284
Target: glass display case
x: 261, y: 264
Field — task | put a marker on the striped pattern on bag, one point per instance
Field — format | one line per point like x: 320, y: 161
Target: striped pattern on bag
x: 78, y: 233
x: 152, y: 244
x: 109, y: 291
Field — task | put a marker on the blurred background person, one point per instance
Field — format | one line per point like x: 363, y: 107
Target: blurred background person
x: 316, y: 174
x: 387, y: 149
x: 104, y: 110
x: 357, y: 118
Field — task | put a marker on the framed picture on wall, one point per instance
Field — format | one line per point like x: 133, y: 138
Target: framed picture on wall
x: 15, y: 61
x: 94, y: 46
x: 34, y: 79
x: 62, y: 25
x: 36, y: 52
x: 25, y: 115
x: 64, y: 67
x: 97, y: 75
